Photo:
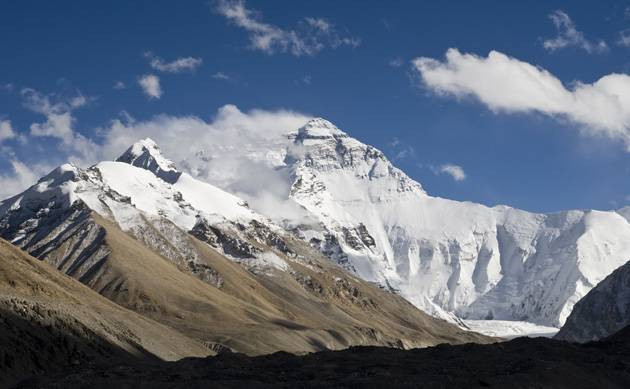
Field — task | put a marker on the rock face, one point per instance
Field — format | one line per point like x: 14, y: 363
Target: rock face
x: 452, y: 259
x: 147, y: 155
x: 602, y: 312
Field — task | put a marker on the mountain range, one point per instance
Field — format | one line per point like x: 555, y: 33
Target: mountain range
x: 348, y: 251
x: 455, y: 260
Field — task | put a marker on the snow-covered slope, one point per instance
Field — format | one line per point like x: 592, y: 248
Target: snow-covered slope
x: 448, y: 256
x: 452, y: 259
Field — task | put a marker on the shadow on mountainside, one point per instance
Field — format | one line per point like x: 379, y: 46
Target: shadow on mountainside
x: 32, y: 346
x: 520, y: 363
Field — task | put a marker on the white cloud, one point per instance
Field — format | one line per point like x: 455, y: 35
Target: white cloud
x: 59, y: 119
x: 6, y: 130
x: 119, y: 85
x: 456, y: 172
x: 230, y: 130
x: 224, y: 151
x: 624, y: 38
x: 218, y: 151
x: 60, y: 122
x: 179, y: 65
x: 311, y: 36
x: 569, y: 36
x: 220, y: 76
x: 506, y: 84
x: 150, y: 85
x: 20, y: 178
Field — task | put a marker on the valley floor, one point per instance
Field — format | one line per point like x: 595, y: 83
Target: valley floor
x: 519, y: 363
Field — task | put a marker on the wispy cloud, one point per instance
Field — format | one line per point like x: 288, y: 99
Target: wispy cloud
x: 456, y: 172
x: 505, y: 84
x: 119, y: 85
x: 569, y: 36
x: 150, y: 84
x: 396, y: 62
x: 8, y: 87
x: 179, y: 65
x: 220, y: 76
x: 624, y: 38
x: 401, y: 150
x: 6, y: 130
x: 311, y: 36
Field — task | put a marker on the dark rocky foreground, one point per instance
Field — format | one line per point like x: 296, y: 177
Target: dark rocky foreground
x: 520, y: 363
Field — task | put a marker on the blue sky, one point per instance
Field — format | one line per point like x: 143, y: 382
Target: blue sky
x: 352, y: 63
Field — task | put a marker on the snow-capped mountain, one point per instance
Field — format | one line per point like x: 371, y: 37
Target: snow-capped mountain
x: 139, y: 192
x: 452, y: 259
x: 197, y: 259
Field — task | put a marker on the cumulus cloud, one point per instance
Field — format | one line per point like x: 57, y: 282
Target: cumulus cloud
x: 456, y: 172
x: 506, y: 84
x: 311, y: 36
x: 569, y: 36
x: 58, y: 111
x: 179, y: 65
x: 6, y: 130
x: 150, y: 84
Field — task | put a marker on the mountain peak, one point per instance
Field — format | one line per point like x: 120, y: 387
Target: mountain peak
x: 319, y: 128
x: 147, y: 155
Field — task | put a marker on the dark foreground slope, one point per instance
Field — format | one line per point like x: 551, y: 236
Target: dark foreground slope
x: 520, y: 363
x: 49, y: 321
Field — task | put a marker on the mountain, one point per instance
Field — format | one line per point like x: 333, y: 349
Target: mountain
x: 49, y: 321
x: 455, y: 260
x: 604, y: 311
x: 195, y: 258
